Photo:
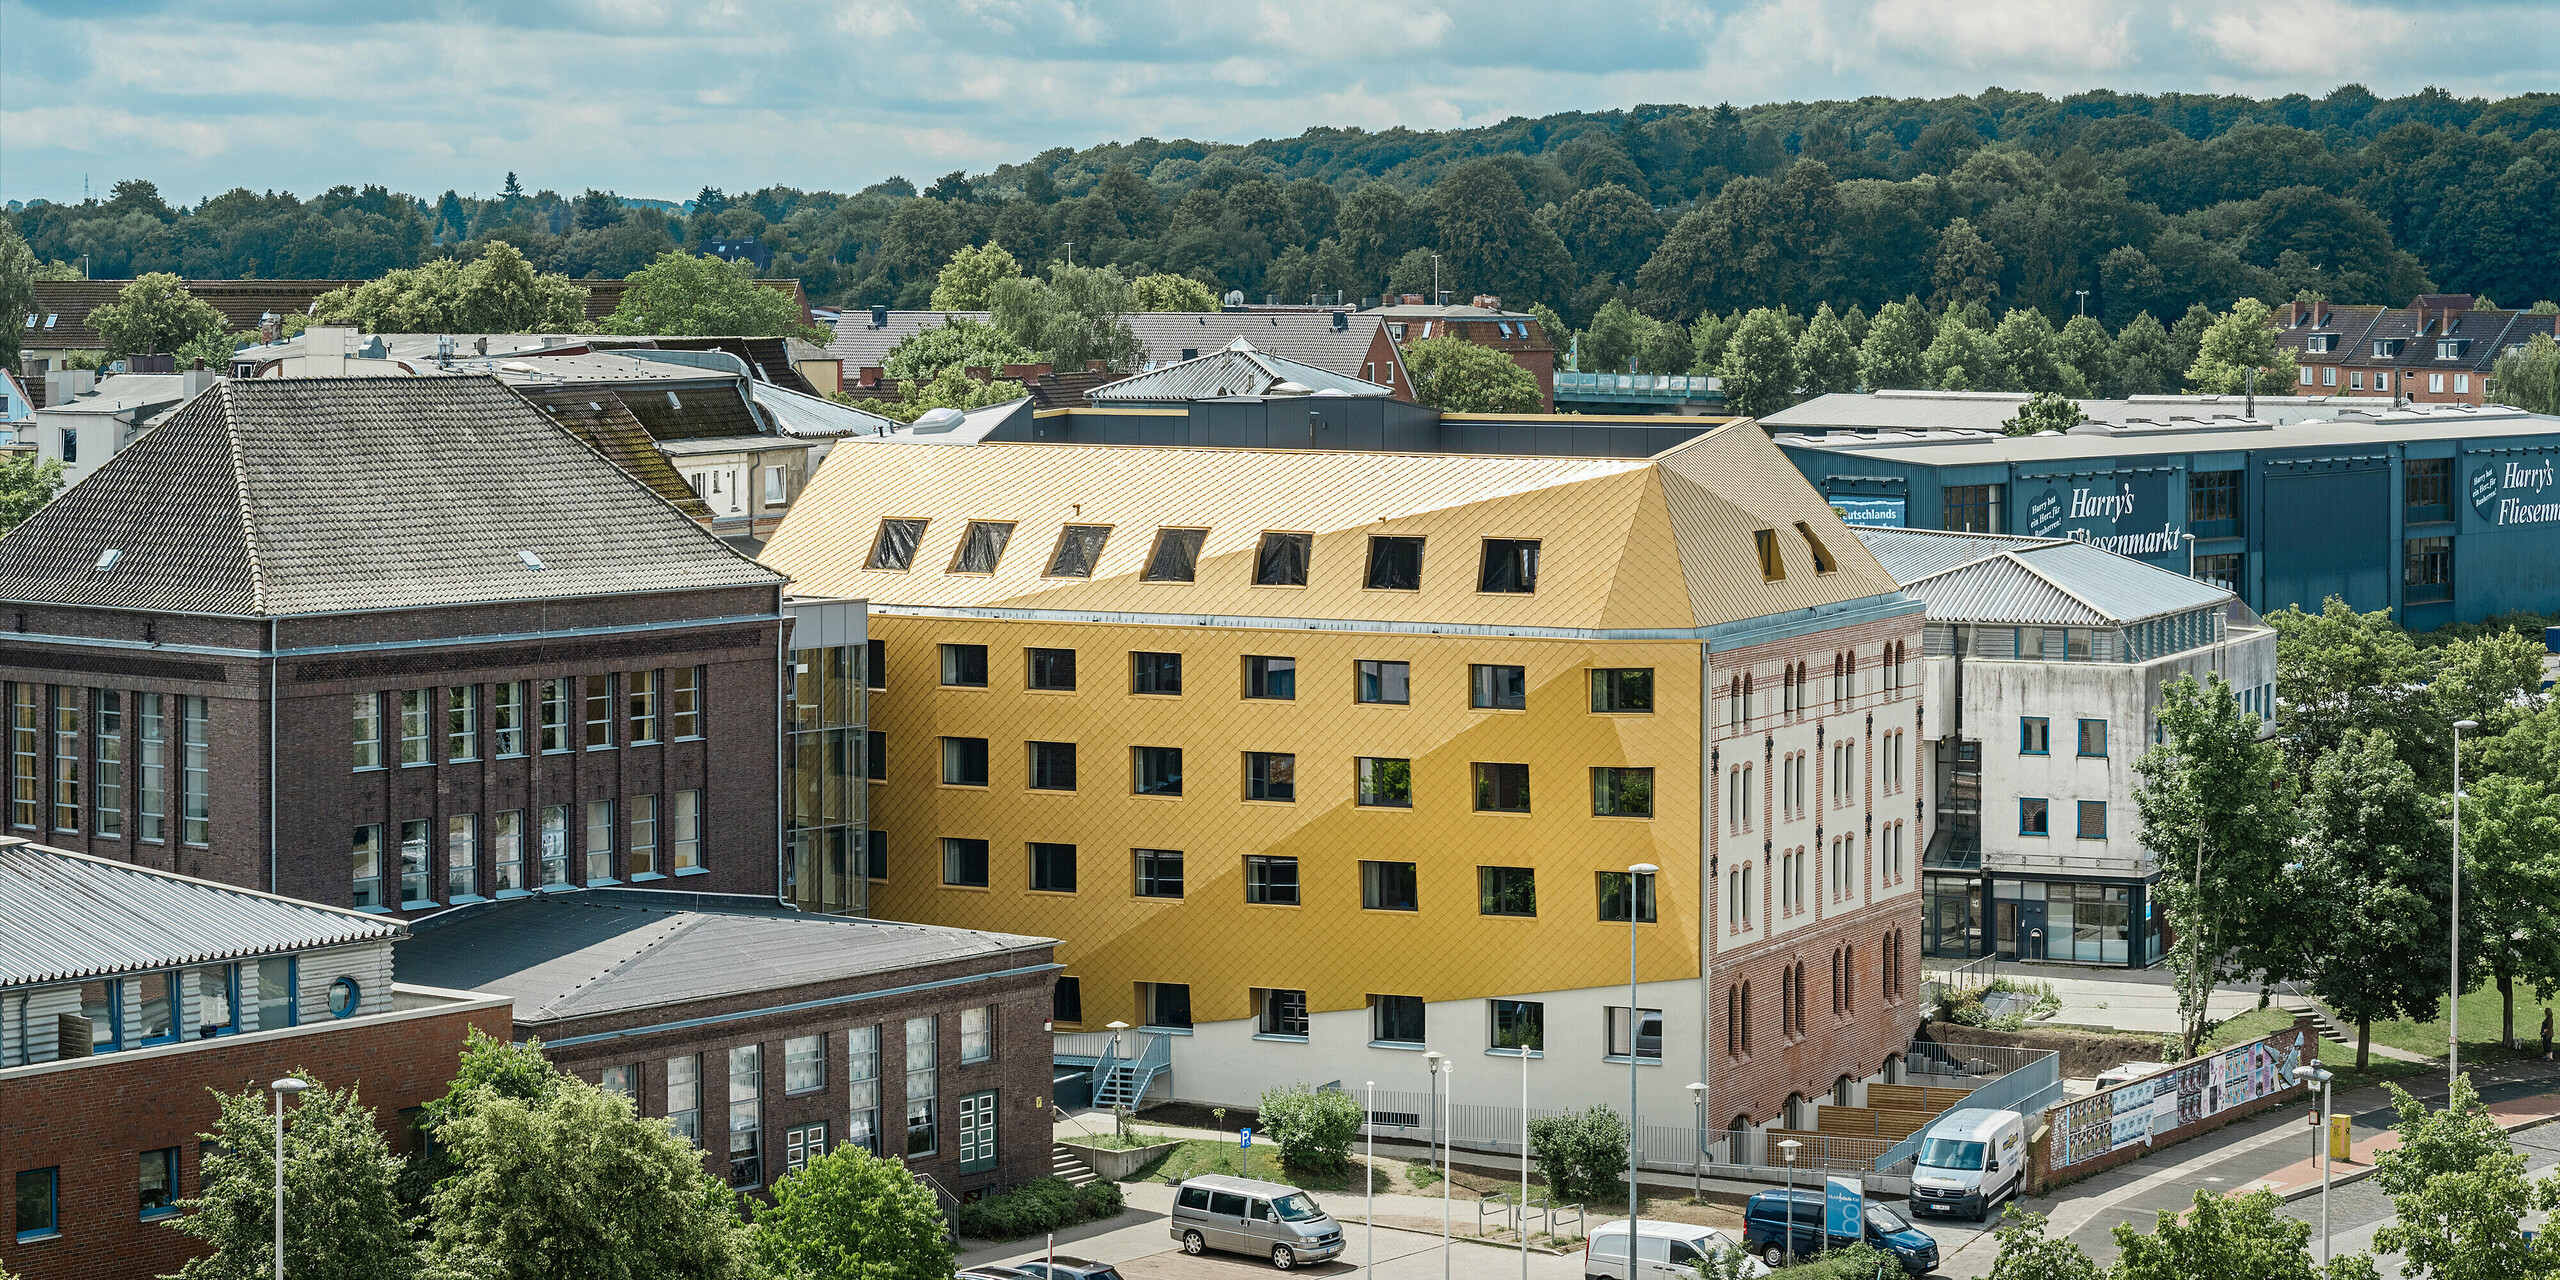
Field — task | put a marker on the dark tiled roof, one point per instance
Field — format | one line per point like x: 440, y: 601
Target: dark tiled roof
x: 693, y: 413
x: 1069, y: 390
x: 605, y: 423
x: 583, y: 954
x: 285, y: 496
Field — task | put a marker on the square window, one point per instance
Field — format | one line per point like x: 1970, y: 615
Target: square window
x: 964, y: 762
x: 1053, y: 867
x: 2093, y: 820
x: 1395, y: 564
x: 1168, y: 1004
x: 1388, y: 886
x: 964, y: 862
x: 2035, y: 736
x: 1386, y: 682
x: 1270, y: 775
x: 964, y: 666
x: 1053, y: 766
x: 1176, y: 555
x: 1396, y: 1019
x: 1613, y: 897
x: 1281, y: 560
x: 1386, y: 783
x: 977, y: 1034
x: 1498, y: 688
x: 804, y: 1064
x: 1157, y: 771
x: 1501, y: 788
x: 1079, y: 548
x: 1066, y: 1000
x: 2093, y: 737
x: 1510, y: 566
x: 2033, y: 818
x: 1157, y: 673
x: 1618, y: 792
x: 1271, y: 881
x: 1159, y: 873
x: 981, y: 546
x: 39, y: 1203
x: 1052, y: 669
x: 1648, y: 1038
x: 1517, y: 1025
x: 1284, y: 1013
x: 1507, y: 891
x: 894, y: 547
x: 1273, y: 678
x: 623, y: 1079
x: 1622, y: 689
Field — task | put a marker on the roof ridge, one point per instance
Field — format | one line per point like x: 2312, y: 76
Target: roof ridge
x: 624, y: 473
x: 2056, y: 583
x: 240, y: 490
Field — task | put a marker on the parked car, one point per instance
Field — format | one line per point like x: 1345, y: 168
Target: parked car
x: 1063, y: 1267
x: 1245, y: 1215
x: 1664, y: 1251
x: 1970, y: 1161
x: 1765, y: 1228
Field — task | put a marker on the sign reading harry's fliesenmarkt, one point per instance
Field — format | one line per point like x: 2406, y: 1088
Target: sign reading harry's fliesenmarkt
x: 2515, y: 491
x: 2112, y: 514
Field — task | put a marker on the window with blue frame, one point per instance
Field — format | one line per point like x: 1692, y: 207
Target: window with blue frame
x: 2035, y: 736
x: 159, y: 1182
x: 2034, y: 816
x: 216, y: 993
x: 102, y: 1003
x: 277, y: 982
x: 39, y: 1194
x: 2093, y: 738
x: 158, y: 1009
x: 2093, y: 820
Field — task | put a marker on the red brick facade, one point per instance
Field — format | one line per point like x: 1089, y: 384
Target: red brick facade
x: 93, y: 1118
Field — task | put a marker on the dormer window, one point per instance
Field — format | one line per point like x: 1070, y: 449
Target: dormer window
x: 2451, y: 349
x: 2320, y: 344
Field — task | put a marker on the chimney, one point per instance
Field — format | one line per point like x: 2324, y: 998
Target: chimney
x: 1411, y: 299
x: 480, y: 346
x: 1341, y: 321
x: 979, y: 373
x: 1488, y: 302
x: 1025, y: 372
x: 870, y: 375
x: 195, y: 380
x: 880, y: 316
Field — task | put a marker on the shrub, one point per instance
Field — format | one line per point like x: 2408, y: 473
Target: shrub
x: 1044, y: 1204
x: 1315, y: 1128
x: 1580, y: 1155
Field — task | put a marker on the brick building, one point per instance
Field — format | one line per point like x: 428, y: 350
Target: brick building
x: 2439, y: 349
x: 144, y: 990
x: 770, y: 1036
x: 391, y: 644
x: 1516, y: 334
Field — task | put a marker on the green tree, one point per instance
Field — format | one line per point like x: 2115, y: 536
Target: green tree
x: 2221, y: 1237
x: 1893, y: 356
x: 1964, y: 358
x: 681, y: 294
x: 1078, y: 314
x: 342, y: 1220
x: 2027, y: 1253
x: 2186, y: 342
x: 970, y: 274
x: 1616, y: 334
x: 2146, y: 360
x: 2045, y: 411
x: 2527, y: 379
x: 1826, y: 359
x: 2337, y: 670
x: 2459, y: 1194
x: 850, y: 1215
x: 2373, y: 883
x: 959, y: 342
x: 1458, y: 376
x: 2511, y: 890
x: 154, y: 313
x: 952, y: 388
x: 2028, y: 347
x: 1965, y: 269
x: 1611, y: 231
x: 2214, y: 802
x: 2242, y: 340
x: 1162, y: 292
x: 499, y: 292
x: 576, y: 1186
x: 1581, y: 1155
x: 1489, y: 243
x: 26, y: 484
x: 1759, y: 368
x: 17, y: 290
x: 2086, y: 354
x: 2494, y: 677
x: 1313, y: 1127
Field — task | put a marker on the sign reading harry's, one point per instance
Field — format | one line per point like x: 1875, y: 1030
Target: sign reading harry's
x: 2112, y: 516
x: 2514, y: 492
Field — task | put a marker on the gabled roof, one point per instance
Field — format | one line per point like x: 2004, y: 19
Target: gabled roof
x: 288, y: 496
x: 583, y: 954
x: 1626, y: 543
x: 1307, y: 337
x: 600, y: 418
x: 1237, y: 369
x: 68, y: 917
x: 2061, y: 582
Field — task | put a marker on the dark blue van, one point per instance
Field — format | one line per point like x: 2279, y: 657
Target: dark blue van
x: 1766, y: 1225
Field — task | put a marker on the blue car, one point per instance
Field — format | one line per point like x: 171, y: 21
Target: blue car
x: 1766, y: 1224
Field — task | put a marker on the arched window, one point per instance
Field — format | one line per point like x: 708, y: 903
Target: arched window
x: 1787, y: 1002
x: 1746, y: 1017
x: 1733, y: 1022
x: 1849, y: 978
x: 1835, y: 982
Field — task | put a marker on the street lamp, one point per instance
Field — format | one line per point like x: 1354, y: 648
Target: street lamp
x: 1790, y: 1147
x: 2453, y: 1011
x: 288, y: 1085
x: 1698, y: 1098
x: 2311, y: 1071
x: 1448, y: 1066
x: 2084, y: 300
x: 1431, y: 1152
x: 1369, y: 1202
x: 1523, y: 1207
x: 1635, y: 885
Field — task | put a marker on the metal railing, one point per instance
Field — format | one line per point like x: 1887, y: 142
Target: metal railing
x: 1648, y: 385
x: 1675, y: 1149
x: 1972, y: 975
x: 1079, y: 1044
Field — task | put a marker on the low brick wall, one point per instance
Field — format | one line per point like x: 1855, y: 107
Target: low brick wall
x: 1113, y: 1164
x: 2084, y: 1053
x: 2075, y: 1139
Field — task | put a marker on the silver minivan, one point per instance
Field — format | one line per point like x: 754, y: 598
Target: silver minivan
x: 1242, y: 1215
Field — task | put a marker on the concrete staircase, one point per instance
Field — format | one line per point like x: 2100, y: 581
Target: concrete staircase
x: 2304, y: 1007
x: 1064, y: 1163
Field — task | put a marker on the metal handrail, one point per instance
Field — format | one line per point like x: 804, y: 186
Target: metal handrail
x: 1504, y: 1209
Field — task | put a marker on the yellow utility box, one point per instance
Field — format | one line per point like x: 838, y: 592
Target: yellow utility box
x: 2339, y: 1139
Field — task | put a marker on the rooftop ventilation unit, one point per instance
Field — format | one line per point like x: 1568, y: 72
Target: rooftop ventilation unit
x: 531, y: 561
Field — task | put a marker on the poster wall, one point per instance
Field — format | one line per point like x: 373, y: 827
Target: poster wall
x: 2153, y: 1107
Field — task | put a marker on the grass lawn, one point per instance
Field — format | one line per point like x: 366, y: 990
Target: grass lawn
x: 2481, y: 1015
x: 2249, y: 1026
x: 1202, y: 1155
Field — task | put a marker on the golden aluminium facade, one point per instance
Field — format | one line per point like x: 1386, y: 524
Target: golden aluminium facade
x: 1312, y: 759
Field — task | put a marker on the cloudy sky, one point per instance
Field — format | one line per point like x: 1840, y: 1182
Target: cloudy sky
x: 660, y: 97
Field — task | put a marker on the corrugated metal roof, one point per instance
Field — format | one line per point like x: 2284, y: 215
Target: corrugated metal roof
x: 1966, y: 577
x: 800, y: 415
x: 580, y: 955
x: 2350, y: 423
x: 1237, y: 369
x: 69, y: 917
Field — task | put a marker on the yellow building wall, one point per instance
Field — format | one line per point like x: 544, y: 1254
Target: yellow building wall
x: 1328, y: 946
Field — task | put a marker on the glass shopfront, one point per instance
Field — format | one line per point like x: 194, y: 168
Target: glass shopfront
x: 2079, y: 922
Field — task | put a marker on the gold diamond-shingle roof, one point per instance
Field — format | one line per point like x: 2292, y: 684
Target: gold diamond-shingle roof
x: 1659, y: 544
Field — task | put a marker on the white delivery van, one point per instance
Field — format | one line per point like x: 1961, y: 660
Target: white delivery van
x: 1970, y: 1161
x: 2130, y: 1072
x: 1664, y: 1251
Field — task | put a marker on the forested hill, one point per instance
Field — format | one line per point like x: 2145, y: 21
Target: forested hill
x: 2147, y: 203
